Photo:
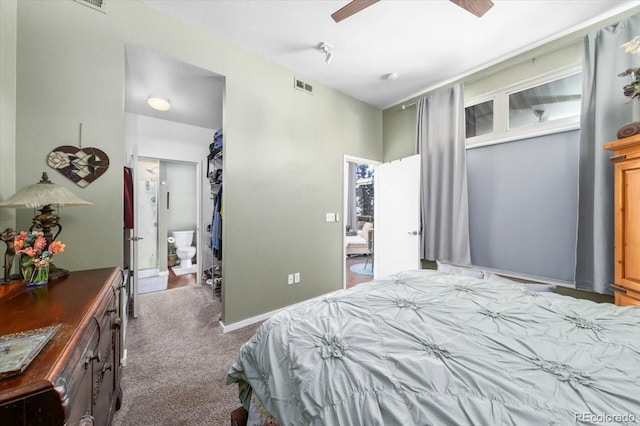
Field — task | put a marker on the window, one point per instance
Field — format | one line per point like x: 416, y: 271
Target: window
x: 547, y: 104
x: 556, y: 100
x: 479, y: 119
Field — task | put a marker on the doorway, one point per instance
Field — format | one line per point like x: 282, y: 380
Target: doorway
x: 182, y: 133
x: 167, y: 205
x: 358, y: 214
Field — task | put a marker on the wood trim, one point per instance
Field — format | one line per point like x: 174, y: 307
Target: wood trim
x: 624, y: 143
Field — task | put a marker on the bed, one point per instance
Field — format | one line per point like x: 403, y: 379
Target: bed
x: 433, y: 348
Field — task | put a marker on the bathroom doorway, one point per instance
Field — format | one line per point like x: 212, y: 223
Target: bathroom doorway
x: 167, y: 203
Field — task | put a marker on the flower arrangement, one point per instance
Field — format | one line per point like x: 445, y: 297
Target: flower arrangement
x: 632, y: 89
x: 35, y: 255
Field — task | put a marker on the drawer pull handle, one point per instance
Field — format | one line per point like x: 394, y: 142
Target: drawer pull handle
x: 91, y: 357
x: 618, y: 289
x: 617, y: 158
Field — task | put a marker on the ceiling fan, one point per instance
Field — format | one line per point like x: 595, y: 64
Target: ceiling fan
x: 477, y: 7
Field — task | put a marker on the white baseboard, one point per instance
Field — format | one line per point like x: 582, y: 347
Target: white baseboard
x: 248, y: 321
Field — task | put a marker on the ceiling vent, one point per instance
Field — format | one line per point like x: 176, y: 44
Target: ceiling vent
x: 100, y: 5
x: 301, y: 85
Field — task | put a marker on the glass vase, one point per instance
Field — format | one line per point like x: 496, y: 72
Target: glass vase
x: 26, y: 272
x: 39, y: 277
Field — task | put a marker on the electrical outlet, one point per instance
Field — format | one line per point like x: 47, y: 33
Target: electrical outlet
x: 296, y: 277
x: 290, y: 279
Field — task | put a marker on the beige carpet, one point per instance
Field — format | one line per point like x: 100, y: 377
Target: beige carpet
x: 177, y: 361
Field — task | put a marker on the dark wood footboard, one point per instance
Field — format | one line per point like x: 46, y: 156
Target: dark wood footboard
x: 239, y: 417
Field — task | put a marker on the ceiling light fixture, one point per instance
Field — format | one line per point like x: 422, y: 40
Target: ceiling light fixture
x: 159, y: 103
x: 326, y: 49
x: 391, y: 76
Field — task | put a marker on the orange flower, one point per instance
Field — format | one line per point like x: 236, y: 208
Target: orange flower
x: 29, y: 251
x: 56, y: 247
x: 18, y: 242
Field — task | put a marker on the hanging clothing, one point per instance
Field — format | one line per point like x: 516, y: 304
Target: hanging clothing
x: 128, y: 198
x: 216, y: 228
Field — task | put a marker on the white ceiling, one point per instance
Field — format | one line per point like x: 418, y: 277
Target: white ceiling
x: 427, y: 43
x: 195, y: 94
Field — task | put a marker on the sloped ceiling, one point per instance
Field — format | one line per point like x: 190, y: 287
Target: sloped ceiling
x: 426, y: 43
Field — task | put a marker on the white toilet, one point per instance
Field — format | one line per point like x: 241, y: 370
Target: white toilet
x: 184, y: 250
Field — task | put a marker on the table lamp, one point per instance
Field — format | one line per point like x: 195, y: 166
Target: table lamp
x: 42, y: 196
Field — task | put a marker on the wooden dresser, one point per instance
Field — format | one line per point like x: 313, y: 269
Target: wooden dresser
x: 626, y: 156
x: 75, y: 379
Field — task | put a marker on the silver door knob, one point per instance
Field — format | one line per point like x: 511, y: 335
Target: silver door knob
x: 413, y: 232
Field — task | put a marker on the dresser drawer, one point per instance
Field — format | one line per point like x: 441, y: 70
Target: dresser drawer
x: 77, y: 386
x: 630, y: 298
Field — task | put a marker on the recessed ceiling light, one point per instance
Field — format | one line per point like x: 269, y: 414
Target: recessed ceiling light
x: 159, y: 103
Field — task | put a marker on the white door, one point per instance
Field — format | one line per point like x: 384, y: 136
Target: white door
x: 397, y: 217
x: 133, y: 239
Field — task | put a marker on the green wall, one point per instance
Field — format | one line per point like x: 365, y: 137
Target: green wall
x: 8, y: 31
x: 283, y: 148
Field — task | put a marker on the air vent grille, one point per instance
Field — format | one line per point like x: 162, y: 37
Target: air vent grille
x: 100, y: 5
x: 301, y: 85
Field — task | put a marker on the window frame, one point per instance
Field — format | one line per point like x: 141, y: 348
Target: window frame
x: 500, y: 97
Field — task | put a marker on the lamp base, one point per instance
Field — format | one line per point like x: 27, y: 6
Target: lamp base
x: 57, y: 273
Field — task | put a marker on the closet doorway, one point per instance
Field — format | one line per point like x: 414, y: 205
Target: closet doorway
x: 358, y: 214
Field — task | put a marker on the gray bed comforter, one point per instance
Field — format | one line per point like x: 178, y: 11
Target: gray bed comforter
x: 427, y: 348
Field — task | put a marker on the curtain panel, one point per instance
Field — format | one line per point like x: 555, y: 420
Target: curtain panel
x: 604, y: 111
x: 440, y: 136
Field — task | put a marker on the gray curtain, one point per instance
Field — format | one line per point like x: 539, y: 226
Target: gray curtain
x: 604, y: 111
x: 352, y: 217
x: 444, y: 206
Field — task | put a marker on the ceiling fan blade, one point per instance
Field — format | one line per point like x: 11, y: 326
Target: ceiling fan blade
x: 477, y: 7
x: 351, y: 8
